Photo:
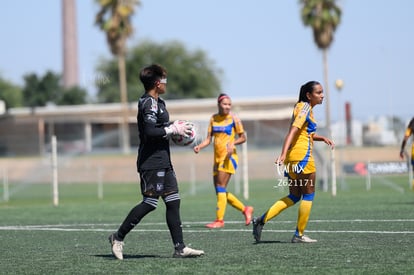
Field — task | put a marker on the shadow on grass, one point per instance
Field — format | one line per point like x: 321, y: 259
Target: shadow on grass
x: 110, y: 256
x: 267, y: 242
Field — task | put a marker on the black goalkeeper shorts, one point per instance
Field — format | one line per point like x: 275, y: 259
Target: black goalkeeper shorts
x: 160, y: 182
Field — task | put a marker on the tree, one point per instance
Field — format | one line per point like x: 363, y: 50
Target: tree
x: 190, y: 74
x: 10, y: 94
x: 323, y: 16
x: 114, y: 18
x: 74, y: 95
x: 39, y: 91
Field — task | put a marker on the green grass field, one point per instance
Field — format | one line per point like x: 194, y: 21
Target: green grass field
x: 358, y: 232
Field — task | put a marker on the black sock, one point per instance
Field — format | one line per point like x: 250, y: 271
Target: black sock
x: 133, y: 218
x: 174, y: 223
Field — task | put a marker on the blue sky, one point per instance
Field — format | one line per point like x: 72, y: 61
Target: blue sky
x: 262, y: 47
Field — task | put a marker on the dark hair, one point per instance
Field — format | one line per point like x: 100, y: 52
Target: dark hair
x: 307, y: 88
x: 151, y: 74
x: 221, y: 97
x: 411, y: 124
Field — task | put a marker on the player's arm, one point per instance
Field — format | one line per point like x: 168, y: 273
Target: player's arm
x: 324, y: 139
x: 241, y: 135
x: 300, y: 113
x: 403, y: 143
x: 291, y: 135
x: 241, y: 138
x: 151, y: 127
x: 206, y: 142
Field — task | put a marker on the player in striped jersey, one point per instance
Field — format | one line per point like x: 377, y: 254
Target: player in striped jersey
x: 408, y: 132
x: 299, y: 165
x: 227, y: 130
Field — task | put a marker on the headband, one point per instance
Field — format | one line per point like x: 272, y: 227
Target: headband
x: 222, y: 97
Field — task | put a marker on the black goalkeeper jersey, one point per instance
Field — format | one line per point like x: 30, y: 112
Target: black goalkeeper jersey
x: 154, y: 148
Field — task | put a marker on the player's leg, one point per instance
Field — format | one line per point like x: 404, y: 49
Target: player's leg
x: 307, y: 185
x: 227, y: 169
x: 273, y: 211
x: 172, y: 202
x: 148, y: 204
x: 172, y: 216
x: 135, y: 215
x: 245, y: 209
x: 131, y: 220
x: 412, y: 164
x: 280, y: 205
x: 220, y: 181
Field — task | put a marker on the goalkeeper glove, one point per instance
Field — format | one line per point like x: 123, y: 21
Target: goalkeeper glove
x: 179, y: 127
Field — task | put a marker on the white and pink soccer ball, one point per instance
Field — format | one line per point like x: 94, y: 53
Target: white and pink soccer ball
x: 182, y: 140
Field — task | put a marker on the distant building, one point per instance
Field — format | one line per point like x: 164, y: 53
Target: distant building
x: 87, y: 128
x: 339, y: 134
x: 383, y: 130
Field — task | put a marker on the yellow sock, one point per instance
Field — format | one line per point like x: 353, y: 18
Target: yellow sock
x: 235, y: 202
x: 303, y: 216
x: 221, y: 205
x: 276, y: 208
x: 412, y: 185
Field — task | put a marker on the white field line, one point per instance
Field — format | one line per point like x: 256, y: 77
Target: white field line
x: 391, y: 184
x: 187, y: 227
x: 205, y: 222
x: 28, y: 228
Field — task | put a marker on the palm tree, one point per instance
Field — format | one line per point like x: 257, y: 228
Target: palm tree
x: 114, y: 18
x: 323, y: 16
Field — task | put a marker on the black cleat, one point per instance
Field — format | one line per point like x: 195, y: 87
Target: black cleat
x: 257, y: 229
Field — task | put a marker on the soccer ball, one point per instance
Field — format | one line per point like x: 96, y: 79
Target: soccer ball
x: 184, y: 141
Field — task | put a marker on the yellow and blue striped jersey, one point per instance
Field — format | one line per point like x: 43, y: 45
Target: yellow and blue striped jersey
x: 408, y: 132
x: 301, y: 147
x: 224, y: 129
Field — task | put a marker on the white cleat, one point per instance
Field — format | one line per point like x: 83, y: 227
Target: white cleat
x: 187, y: 253
x: 117, y: 247
x: 302, y: 239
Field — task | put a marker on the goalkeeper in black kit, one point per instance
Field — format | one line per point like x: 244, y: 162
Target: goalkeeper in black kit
x: 154, y: 165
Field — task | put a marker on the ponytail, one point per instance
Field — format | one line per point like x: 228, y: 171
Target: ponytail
x: 306, y: 88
